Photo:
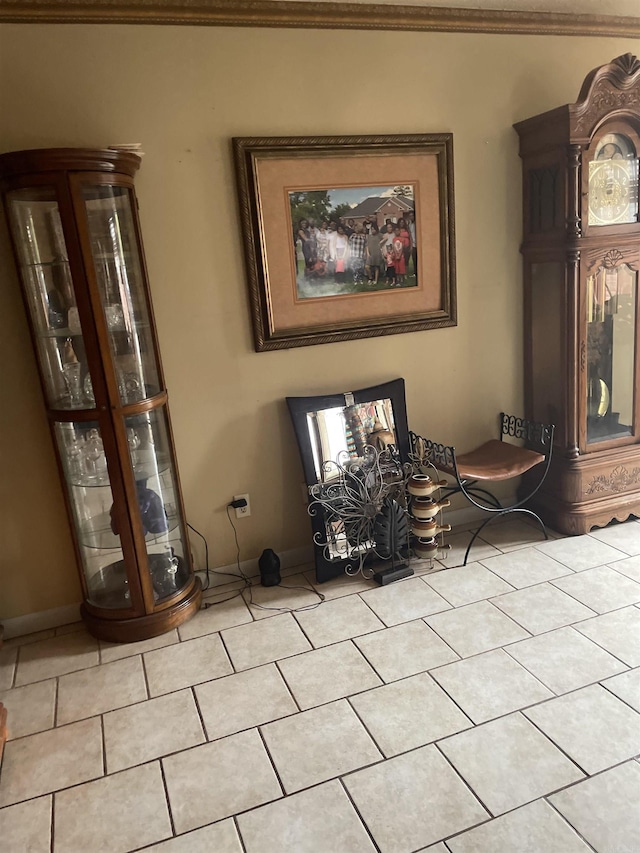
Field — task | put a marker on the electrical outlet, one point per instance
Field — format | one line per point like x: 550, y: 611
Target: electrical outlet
x: 242, y: 511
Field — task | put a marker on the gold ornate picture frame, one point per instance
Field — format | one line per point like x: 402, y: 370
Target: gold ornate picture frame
x: 318, y: 270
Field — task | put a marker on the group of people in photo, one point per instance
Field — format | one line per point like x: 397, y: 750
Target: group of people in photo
x: 359, y: 251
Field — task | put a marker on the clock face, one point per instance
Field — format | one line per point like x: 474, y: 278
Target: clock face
x: 613, y: 181
x: 610, y: 197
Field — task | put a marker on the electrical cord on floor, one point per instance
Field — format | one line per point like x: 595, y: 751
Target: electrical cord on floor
x: 209, y: 571
x: 206, y: 554
x: 249, y: 585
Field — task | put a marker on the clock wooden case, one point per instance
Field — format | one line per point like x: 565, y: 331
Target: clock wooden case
x: 73, y: 220
x: 581, y: 253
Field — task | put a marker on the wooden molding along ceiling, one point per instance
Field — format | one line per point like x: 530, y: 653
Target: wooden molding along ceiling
x: 315, y: 15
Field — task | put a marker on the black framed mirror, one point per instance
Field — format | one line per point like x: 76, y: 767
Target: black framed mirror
x: 353, y: 445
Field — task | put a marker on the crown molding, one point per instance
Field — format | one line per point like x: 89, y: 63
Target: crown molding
x: 314, y: 15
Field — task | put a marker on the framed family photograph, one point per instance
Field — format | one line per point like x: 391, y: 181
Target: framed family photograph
x: 347, y: 237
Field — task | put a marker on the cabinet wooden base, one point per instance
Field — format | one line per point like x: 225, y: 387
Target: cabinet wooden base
x: 590, y: 491
x: 144, y: 627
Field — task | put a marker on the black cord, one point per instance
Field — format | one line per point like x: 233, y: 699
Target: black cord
x: 208, y: 570
x: 206, y: 553
x: 249, y: 585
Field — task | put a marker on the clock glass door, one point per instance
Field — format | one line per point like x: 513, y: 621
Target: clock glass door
x: 611, y: 341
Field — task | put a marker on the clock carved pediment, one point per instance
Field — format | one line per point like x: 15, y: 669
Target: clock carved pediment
x: 608, y: 89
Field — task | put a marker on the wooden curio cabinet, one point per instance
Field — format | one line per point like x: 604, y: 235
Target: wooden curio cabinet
x: 581, y: 254
x: 74, y: 227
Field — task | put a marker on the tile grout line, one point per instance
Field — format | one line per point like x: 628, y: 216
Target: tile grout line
x: 564, y: 692
x: 272, y: 762
x: 612, y: 693
x: 489, y: 651
x: 104, y: 747
x: 145, y: 676
x: 289, y: 690
x: 340, y: 780
x: 524, y: 627
x: 194, y: 696
x: 467, y: 785
x: 56, y: 701
x: 446, y: 642
x: 574, y: 597
x: 167, y: 799
x: 227, y: 652
x: 603, y: 648
x: 52, y: 822
x: 451, y: 603
x: 559, y: 748
x: 238, y: 833
x: 303, y: 632
x: 567, y: 821
x: 612, y: 566
x: 316, y: 784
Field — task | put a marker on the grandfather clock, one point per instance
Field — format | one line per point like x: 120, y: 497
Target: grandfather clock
x: 581, y: 253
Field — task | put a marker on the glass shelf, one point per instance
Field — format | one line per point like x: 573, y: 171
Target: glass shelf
x: 142, y: 470
x: 54, y: 262
x: 63, y: 332
x: 97, y: 532
x: 112, y: 256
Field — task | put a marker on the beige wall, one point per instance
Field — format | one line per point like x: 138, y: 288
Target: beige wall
x: 183, y: 93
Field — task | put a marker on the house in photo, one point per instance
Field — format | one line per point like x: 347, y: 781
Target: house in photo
x: 381, y: 209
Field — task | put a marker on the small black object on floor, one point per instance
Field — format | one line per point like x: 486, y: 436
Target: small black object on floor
x: 269, y: 565
x: 395, y: 573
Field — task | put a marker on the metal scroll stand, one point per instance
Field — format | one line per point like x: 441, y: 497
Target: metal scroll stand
x: 363, y: 502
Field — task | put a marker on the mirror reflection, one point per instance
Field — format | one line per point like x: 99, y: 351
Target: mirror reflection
x: 342, y: 433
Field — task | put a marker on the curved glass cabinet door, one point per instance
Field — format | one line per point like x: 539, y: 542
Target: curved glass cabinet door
x: 157, y: 496
x: 53, y: 306
x: 83, y: 457
x: 120, y: 281
x: 76, y: 239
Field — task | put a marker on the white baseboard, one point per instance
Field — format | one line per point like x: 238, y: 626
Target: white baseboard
x: 462, y: 517
x: 41, y: 621
x: 58, y: 616
x: 290, y: 559
x: 295, y: 557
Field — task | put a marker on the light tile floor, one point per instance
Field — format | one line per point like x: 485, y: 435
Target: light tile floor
x: 492, y: 708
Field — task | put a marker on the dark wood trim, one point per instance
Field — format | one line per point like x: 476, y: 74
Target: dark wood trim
x: 4, y: 734
x: 336, y: 16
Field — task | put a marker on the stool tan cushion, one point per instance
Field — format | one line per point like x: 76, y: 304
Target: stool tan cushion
x: 497, y: 460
